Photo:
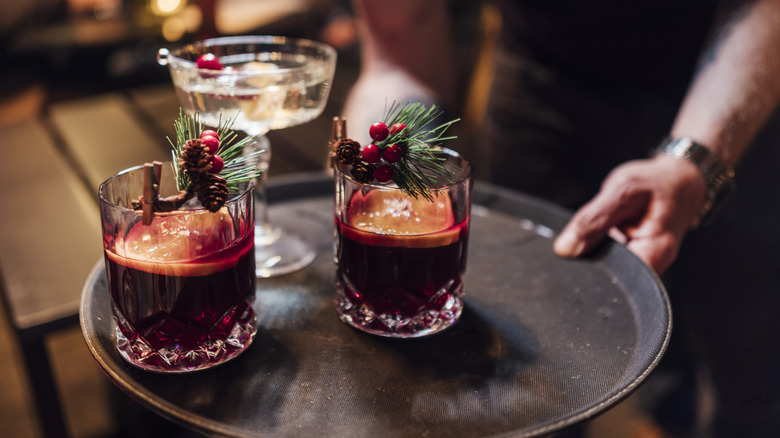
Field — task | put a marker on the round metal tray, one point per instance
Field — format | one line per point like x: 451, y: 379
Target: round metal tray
x: 544, y: 343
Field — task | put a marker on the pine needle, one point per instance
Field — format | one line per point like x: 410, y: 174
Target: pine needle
x: 420, y: 168
x: 240, y: 166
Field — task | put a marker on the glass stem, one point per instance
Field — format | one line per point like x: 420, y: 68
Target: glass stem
x: 265, y: 233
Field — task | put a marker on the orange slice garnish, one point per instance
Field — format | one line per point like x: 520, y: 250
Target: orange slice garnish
x: 392, y: 218
x: 178, y: 243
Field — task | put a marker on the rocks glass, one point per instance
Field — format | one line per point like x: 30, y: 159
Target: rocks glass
x: 181, y: 287
x: 400, y: 260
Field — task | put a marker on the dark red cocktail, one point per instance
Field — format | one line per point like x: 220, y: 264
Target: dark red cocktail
x: 192, y: 311
x: 424, y: 285
x: 181, y: 287
x: 400, y: 259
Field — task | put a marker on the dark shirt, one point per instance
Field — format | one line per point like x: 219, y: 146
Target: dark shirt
x: 653, y: 44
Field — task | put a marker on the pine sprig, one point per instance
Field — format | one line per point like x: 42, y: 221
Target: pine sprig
x: 407, y: 152
x: 419, y: 169
x: 240, y: 166
x: 418, y: 120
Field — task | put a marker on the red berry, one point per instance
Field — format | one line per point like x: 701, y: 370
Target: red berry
x: 209, y: 62
x: 210, y: 132
x: 372, y: 154
x: 217, y: 164
x: 378, y: 131
x: 392, y: 153
x: 383, y: 173
x: 397, y: 127
x: 211, y: 143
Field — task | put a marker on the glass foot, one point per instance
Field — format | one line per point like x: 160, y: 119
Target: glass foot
x: 279, y: 253
x: 191, y: 349
x: 392, y: 314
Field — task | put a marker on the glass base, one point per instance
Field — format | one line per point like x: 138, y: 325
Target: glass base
x: 362, y: 316
x: 279, y: 253
x: 214, y: 350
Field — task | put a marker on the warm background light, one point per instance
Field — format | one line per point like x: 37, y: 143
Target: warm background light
x: 166, y: 7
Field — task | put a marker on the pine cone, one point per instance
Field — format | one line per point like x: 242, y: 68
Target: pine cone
x: 212, y: 191
x: 362, y: 171
x: 194, y: 157
x: 347, y: 150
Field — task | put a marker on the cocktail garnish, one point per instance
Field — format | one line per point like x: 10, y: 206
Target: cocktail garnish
x: 207, y: 164
x: 402, y: 153
x: 208, y: 61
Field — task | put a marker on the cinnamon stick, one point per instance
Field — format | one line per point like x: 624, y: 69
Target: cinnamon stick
x: 152, y: 175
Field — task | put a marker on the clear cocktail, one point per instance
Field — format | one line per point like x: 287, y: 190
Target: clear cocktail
x: 262, y: 83
x: 261, y: 91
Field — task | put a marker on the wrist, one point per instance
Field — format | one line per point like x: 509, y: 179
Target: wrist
x: 718, y: 177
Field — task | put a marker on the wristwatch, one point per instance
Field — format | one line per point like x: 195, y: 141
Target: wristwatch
x: 718, y: 176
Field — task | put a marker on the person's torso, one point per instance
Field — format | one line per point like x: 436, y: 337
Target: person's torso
x: 645, y: 44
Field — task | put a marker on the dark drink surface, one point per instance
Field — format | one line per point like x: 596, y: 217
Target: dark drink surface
x: 184, y: 314
x: 397, y: 279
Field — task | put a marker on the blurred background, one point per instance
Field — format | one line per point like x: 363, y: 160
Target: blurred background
x: 62, y: 57
x: 64, y: 49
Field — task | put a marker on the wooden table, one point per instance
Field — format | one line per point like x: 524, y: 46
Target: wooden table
x: 51, y: 224
x: 544, y: 343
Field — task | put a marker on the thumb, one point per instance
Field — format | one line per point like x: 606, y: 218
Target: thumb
x: 569, y: 243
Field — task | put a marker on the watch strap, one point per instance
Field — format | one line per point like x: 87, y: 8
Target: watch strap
x: 718, y: 176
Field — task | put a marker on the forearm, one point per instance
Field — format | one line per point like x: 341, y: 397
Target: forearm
x: 735, y: 90
x: 738, y: 84
x: 412, y: 35
x: 406, y: 54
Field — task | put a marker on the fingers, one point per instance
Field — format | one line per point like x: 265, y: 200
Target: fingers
x: 648, y: 205
x: 658, y: 253
x: 581, y: 235
x: 615, y: 205
x: 569, y: 244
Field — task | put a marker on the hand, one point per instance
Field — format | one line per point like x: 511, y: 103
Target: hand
x: 648, y: 205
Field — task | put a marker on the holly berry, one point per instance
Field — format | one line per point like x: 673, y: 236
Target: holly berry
x: 383, y: 173
x: 371, y: 154
x: 397, y: 127
x: 378, y: 131
x: 210, y: 142
x: 211, y: 132
x: 209, y: 62
x: 392, y: 153
x: 217, y: 164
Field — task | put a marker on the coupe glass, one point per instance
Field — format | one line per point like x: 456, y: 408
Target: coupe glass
x: 267, y: 82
